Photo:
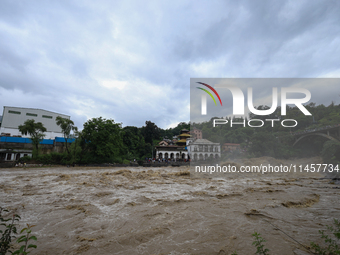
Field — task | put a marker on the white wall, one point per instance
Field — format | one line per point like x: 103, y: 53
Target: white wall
x: 11, y: 121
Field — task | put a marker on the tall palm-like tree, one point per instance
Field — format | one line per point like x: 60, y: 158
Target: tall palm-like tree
x: 35, y: 130
x: 66, y: 126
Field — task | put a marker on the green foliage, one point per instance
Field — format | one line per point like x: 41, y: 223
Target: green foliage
x: 101, y: 141
x: 276, y: 140
x: 76, y: 150
x: 150, y: 132
x: 332, y: 245
x: 7, y: 233
x: 125, y: 161
x: 25, y: 239
x: 134, y: 143
x: 35, y: 130
x: 331, y: 152
x: 170, y: 132
x: 258, y: 243
x: 263, y: 144
x: 117, y: 160
x: 66, y: 126
x: 54, y: 158
x: 9, y: 230
x: 25, y: 159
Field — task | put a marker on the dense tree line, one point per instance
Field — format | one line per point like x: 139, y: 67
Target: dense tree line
x: 100, y: 141
x: 104, y: 141
x: 277, y: 141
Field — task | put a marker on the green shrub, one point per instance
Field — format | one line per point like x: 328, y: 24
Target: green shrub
x: 7, y: 231
x: 44, y: 159
x: 8, y: 228
x: 25, y: 159
x: 117, y: 160
x: 331, y: 152
x: 54, y: 158
x: 25, y: 239
x: 258, y: 243
x: 332, y: 245
x: 125, y: 161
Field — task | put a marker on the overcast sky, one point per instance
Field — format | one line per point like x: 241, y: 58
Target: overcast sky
x: 132, y: 61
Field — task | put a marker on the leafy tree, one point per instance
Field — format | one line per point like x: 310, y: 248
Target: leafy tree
x: 150, y: 132
x: 170, y: 132
x: 76, y: 147
x: 66, y: 126
x: 35, y: 130
x: 102, y: 141
x: 331, y: 152
x: 134, y: 142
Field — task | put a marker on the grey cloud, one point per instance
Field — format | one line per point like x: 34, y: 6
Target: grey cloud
x: 61, y: 51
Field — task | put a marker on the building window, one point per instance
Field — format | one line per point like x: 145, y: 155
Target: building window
x: 47, y: 116
x: 9, y: 156
x: 32, y: 114
x: 14, y: 112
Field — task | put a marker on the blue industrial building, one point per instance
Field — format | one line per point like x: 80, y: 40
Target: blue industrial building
x: 14, y: 148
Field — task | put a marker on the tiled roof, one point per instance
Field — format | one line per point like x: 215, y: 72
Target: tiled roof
x: 202, y: 141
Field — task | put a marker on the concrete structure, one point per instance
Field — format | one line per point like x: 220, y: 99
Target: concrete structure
x: 14, y: 116
x: 183, y: 136
x: 203, y: 149
x: 196, y: 133
x: 189, y: 148
x: 227, y: 147
x: 163, y: 143
x: 171, y: 152
x: 13, y: 154
x: 331, y: 132
x: 13, y: 148
x: 174, y: 152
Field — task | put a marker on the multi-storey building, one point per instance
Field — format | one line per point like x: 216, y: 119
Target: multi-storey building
x: 14, y: 116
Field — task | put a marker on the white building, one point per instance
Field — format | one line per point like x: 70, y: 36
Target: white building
x: 202, y: 149
x: 12, y: 117
x: 171, y: 152
x: 12, y: 155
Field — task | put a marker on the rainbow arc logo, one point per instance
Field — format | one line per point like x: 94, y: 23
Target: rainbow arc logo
x: 213, y: 90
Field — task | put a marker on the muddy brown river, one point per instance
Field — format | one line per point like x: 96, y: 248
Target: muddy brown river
x: 136, y: 210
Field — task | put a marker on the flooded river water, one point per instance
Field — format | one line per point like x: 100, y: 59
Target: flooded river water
x: 136, y: 210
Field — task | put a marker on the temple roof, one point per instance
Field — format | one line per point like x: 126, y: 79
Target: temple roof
x: 181, y: 141
x: 184, y: 134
